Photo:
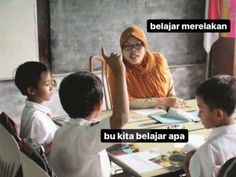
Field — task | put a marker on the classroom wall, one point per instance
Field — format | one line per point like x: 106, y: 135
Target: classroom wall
x: 80, y: 27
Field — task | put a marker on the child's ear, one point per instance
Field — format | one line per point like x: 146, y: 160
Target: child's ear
x: 220, y: 114
x: 30, y: 91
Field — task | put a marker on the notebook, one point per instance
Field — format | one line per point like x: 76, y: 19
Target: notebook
x: 176, y: 116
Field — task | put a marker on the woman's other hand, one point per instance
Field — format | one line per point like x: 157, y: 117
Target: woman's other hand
x: 171, y: 102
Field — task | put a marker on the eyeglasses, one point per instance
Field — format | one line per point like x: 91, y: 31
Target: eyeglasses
x: 128, y: 47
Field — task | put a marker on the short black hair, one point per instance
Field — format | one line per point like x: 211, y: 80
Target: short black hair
x: 219, y: 92
x: 29, y: 74
x: 79, y: 93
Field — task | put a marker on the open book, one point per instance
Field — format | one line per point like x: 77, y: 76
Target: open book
x: 176, y: 116
x: 132, y: 157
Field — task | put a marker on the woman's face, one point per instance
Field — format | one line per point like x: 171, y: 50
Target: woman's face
x: 133, y: 51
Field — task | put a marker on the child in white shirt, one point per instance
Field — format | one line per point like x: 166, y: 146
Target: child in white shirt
x: 216, y: 100
x: 34, y: 80
x: 77, y: 150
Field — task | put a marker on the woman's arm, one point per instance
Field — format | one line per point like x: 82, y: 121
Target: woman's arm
x: 138, y: 103
x: 171, y: 92
x: 166, y: 102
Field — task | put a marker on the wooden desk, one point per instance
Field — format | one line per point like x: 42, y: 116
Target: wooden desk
x: 190, y: 105
x: 135, y: 120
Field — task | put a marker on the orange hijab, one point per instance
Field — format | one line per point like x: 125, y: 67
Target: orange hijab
x: 150, y: 78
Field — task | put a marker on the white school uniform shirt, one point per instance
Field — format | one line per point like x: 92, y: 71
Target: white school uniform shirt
x: 77, y: 150
x: 36, y: 123
x: 210, y: 157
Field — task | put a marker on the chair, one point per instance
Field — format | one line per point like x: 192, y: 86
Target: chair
x: 229, y: 168
x: 28, y: 146
x: 30, y: 168
x: 10, y: 161
x: 103, y: 77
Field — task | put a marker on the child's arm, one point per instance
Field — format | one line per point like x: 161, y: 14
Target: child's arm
x: 186, y: 163
x: 121, y: 103
x: 48, y: 148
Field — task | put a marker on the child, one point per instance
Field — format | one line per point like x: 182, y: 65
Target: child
x: 216, y: 100
x: 34, y: 80
x: 77, y: 149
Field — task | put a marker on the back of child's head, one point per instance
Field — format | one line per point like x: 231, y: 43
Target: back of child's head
x: 28, y: 75
x: 79, y: 93
x: 219, y: 92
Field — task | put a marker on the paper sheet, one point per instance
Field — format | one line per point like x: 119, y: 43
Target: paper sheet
x: 147, y: 112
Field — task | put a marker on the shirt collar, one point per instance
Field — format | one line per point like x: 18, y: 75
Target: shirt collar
x: 37, y: 106
x: 222, y: 130
x: 79, y: 121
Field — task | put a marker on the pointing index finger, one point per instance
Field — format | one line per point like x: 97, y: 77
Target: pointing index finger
x: 104, y: 54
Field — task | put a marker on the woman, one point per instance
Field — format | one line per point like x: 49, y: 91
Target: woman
x: 148, y: 76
